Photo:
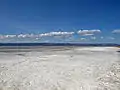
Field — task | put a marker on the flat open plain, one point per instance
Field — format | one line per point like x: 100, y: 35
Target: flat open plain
x: 59, y: 68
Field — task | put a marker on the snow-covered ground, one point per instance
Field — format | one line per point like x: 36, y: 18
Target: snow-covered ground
x: 60, y: 68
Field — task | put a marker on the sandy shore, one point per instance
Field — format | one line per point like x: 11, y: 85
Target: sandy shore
x: 60, y: 68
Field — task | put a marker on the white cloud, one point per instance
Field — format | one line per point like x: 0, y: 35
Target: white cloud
x: 93, y: 38
x: 102, y: 37
x: 56, y: 34
x: 83, y: 39
x: 27, y: 36
x: 88, y: 32
x: 10, y: 36
x: 111, y: 38
x: 7, y: 36
x: 107, y: 38
x: 1, y: 37
x: 21, y: 36
x: 116, y: 31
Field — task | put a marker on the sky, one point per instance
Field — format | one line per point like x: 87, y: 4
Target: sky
x: 82, y: 21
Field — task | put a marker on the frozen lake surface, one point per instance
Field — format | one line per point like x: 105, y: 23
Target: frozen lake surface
x: 60, y: 68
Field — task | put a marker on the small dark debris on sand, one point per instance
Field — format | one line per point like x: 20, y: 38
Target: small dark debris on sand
x: 118, y: 51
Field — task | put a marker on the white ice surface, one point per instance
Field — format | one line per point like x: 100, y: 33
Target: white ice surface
x: 76, y: 68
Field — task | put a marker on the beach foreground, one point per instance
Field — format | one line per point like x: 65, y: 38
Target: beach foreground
x: 60, y: 68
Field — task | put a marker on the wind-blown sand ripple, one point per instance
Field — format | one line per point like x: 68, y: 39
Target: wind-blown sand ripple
x: 73, y: 68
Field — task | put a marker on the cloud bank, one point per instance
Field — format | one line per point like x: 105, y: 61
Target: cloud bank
x: 60, y: 36
x: 50, y: 34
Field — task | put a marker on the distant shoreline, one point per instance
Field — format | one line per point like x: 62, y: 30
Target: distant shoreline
x: 61, y: 44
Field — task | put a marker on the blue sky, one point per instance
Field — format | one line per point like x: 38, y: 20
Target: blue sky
x: 45, y: 16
